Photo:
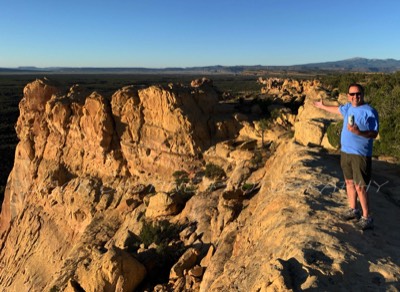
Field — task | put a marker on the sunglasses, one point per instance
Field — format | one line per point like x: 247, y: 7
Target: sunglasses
x: 355, y: 93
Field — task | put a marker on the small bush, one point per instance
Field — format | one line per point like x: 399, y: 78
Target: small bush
x: 181, y: 177
x: 167, y: 251
x: 214, y: 171
x: 334, y: 130
x: 183, y: 188
x: 160, y: 232
x: 247, y: 187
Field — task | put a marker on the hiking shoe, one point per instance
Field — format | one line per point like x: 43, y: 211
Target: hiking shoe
x: 351, y: 214
x: 366, y: 223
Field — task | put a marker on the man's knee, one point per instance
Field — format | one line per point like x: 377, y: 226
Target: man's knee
x: 349, y: 182
x: 360, y: 187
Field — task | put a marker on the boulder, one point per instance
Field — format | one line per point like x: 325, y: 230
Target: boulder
x: 311, y: 122
x: 116, y: 270
x: 185, y: 263
x: 162, y: 204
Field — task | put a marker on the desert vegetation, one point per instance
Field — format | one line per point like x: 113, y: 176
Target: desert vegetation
x: 159, y: 235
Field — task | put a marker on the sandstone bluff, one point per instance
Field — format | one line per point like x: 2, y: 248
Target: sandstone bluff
x: 92, y: 173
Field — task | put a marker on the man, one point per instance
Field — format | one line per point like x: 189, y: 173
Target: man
x: 360, y: 127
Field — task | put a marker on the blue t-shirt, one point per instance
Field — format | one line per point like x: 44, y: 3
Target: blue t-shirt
x: 366, y: 118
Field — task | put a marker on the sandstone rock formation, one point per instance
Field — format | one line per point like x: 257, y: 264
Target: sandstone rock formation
x: 311, y: 123
x: 82, y: 166
x: 92, y: 203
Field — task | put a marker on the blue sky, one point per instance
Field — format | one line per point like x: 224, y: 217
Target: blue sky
x: 185, y: 33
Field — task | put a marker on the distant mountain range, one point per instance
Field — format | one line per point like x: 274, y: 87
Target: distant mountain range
x: 356, y: 65
x: 348, y: 65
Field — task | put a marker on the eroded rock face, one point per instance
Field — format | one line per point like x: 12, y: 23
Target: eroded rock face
x: 141, y: 132
x: 165, y: 127
x: 32, y: 132
x: 93, y: 177
x: 290, y: 237
x: 82, y: 159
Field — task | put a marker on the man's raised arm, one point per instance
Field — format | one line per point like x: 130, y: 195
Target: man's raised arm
x: 329, y: 108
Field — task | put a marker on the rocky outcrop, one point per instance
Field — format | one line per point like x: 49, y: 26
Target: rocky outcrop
x: 289, y: 91
x: 289, y: 237
x: 80, y: 165
x: 311, y: 122
x: 94, y: 202
x: 153, y: 131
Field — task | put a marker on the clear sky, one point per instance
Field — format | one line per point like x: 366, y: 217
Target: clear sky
x: 185, y: 33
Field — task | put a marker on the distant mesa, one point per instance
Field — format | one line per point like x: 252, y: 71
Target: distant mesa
x: 356, y: 64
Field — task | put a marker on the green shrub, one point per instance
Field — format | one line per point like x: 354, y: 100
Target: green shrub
x: 247, y: 187
x: 181, y: 177
x: 184, y: 188
x: 158, y: 232
x: 214, y: 171
x: 167, y: 251
x: 333, y: 132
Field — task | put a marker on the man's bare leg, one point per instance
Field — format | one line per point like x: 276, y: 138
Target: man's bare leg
x: 351, y: 193
x: 363, y: 197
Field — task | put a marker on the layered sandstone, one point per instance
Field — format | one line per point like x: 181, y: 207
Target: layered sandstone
x: 91, y: 173
x: 82, y: 166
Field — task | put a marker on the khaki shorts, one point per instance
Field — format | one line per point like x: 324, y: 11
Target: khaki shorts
x: 356, y: 167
